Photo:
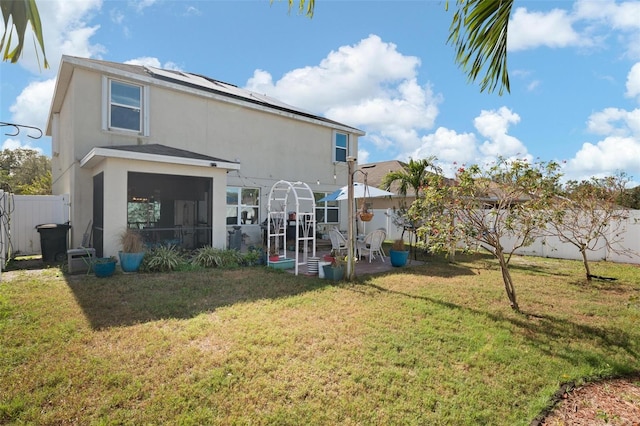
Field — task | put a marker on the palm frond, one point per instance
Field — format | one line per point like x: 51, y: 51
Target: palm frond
x: 20, y: 12
x: 478, y: 32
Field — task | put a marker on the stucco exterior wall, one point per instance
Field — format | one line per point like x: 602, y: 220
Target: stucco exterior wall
x: 270, y: 146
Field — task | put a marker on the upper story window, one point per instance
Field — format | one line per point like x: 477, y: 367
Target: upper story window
x: 126, y: 106
x: 340, y: 147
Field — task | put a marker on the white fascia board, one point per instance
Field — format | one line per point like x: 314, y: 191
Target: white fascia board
x: 98, y: 154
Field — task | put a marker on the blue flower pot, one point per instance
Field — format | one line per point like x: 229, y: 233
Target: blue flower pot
x: 130, y: 262
x: 398, y: 258
x: 103, y: 267
x: 333, y: 273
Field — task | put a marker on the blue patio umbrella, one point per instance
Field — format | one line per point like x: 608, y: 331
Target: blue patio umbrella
x: 358, y: 192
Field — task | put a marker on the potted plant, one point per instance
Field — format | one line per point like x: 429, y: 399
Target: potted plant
x: 331, y: 257
x: 364, y: 213
x: 132, y: 251
x: 335, y: 270
x: 273, y: 254
x: 104, y: 266
x: 398, y: 254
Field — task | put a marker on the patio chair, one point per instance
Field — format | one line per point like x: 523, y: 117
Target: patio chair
x: 372, y: 245
x: 338, y: 241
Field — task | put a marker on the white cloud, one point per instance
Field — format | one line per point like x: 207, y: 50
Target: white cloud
x: 372, y: 86
x: 605, y: 157
x: 143, y: 4
x: 633, y: 82
x: 455, y: 149
x: 451, y: 148
x: 145, y: 61
x: 633, y: 45
x: 369, y: 85
x: 533, y: 85
x: 66, y: 32
x: 32, y: 105
x: 554, y: 29
x: 369, y: 69
x: 192, y: 11
x: 149, y: 61
x: 12, y: 144
x: 117, y: 16
x: 411, y: 106
x: 588, y: 24
x: 619, y: 150
x: 623, y: 17
x: 363, y: 156
x: 620, y: 15
x: 494, y: 125
x: 615, y: 122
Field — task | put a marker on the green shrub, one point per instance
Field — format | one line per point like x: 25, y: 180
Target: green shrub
x: 231, y: 259
x: 252, y: 257
x: 210, y: 257
x: 207, y: 257
x: 162, y: 259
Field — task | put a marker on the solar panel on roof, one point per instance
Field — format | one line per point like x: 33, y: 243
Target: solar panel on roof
x: 196, y: 80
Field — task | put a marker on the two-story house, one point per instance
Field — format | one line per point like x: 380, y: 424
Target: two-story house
x: 182, y: 157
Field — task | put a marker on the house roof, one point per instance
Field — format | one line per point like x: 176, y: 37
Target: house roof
x: 377, y: 171
x: 158, y: 153
x: 181, y: 80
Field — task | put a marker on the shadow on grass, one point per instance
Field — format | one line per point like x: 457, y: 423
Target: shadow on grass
x: 440, y: 266
x: 536, y: 270
x: 545, y: 332
x: 128, y: 299
x: 435, y: 266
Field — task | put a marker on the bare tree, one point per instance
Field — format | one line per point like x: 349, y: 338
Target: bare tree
x: 588, y: 216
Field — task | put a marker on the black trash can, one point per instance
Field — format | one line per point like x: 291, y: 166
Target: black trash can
x: 53, y: 241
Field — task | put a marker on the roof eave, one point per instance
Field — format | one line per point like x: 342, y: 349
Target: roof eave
x: 97, y: 155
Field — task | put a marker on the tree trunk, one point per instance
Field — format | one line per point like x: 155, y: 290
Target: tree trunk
x: 586, y: 263
x: 508, y: 282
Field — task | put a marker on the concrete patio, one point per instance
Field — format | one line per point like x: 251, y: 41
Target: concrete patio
x: 363, y: 266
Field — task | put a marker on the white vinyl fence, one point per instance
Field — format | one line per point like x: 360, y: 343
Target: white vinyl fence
x: 20, y: 214
x: 543, y: 247
x: 552, y: 247
x: 4, y: 227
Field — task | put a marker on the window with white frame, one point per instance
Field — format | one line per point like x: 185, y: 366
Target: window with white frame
x: 340, y: 147
x: 125, y: 108
x: 243, y: 206
x: 326, y: 211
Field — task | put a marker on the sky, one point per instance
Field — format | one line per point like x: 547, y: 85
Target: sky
x: 381, y: 66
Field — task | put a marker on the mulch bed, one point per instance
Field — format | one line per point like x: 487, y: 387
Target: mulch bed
x: 608, y: 402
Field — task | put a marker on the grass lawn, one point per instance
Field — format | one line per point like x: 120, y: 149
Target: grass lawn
x: 434, y: 344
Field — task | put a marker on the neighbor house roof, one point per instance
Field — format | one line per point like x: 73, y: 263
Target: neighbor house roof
x: 377, y: 171
x: 185, y: 81
x: 157, y: 153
